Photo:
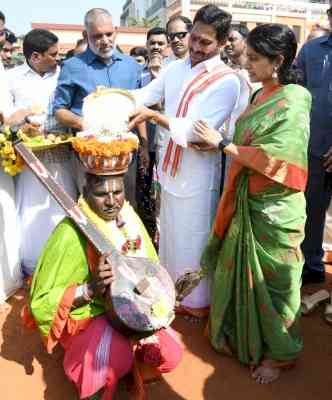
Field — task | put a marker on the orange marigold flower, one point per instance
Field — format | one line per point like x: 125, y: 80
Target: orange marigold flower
x: 96, y: 148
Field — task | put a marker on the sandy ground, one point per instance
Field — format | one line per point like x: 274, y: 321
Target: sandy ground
x: 28, y: 372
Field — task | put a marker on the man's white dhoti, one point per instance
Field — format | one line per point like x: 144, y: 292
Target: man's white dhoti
x: 10, y: 271
x: 37, y: 212
x: 184, y: 229
x: 211, y: 92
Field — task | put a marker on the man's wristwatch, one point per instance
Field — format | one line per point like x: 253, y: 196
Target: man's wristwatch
x: 223, y: 143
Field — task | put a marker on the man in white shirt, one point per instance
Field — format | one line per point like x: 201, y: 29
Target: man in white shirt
x: 31, y: 85
x: 10, y: 276
x: 200, y: 87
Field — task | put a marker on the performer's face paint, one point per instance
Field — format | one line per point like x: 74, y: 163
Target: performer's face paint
x: 106, y: 196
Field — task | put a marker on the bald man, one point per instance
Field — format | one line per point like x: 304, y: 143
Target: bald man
x: 100, y: 65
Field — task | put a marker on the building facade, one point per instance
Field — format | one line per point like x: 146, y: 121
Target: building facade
x: 299, y: 15
x: 133, y: 9
x: 158, y: 8
x: 126, y: 37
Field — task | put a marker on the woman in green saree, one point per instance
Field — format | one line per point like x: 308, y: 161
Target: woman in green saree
x: 253, y: 255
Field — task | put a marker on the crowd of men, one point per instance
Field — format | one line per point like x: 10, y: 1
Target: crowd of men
x: 176, y: 198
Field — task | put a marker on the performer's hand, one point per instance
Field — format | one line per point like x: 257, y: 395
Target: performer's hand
x: 104, y: 275
x: 208, y: 135
x: 140, y: 115
x: 328, y: 160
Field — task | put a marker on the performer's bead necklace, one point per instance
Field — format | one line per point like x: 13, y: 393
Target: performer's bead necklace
x: 133, y: 241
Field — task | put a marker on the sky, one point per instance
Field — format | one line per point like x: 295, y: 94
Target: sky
x: 20, y: 13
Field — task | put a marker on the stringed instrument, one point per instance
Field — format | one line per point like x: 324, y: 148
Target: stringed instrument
x: 141, y: 299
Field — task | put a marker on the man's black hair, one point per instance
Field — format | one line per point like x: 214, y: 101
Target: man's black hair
x: 2, y: 17
x: 156, y: 31
x: 81, y: 42
x: 187, y: 21
x: 139, y: 51
x: 10, y: 36
x: 242, y: 29
x: 219, y: 19
x: 38, y: 40
x: 70, y: 53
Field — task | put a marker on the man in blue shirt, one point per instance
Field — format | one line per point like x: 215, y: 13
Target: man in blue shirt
x: 315, y: 61
x: 99, y: 65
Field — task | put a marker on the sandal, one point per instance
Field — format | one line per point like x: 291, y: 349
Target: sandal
x: 309, y: 303
x: 328, y: 311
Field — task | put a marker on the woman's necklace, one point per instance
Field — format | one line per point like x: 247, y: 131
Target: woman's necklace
x: 116, y: 232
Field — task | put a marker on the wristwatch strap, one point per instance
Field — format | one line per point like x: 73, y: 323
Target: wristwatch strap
x: 224, y: 142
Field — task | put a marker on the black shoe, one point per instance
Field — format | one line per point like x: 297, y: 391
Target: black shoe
x: 312, y: 277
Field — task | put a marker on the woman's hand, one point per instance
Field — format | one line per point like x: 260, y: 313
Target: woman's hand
x: 104, y: 276
x: 140, y: 115
x: 210, y: 136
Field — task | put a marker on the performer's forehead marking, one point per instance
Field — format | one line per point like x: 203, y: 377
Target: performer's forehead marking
x: 112, y: 185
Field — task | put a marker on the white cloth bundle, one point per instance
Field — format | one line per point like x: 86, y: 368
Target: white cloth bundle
x: 108, y: 110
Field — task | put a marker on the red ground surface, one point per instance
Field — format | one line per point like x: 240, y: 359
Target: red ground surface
x: 28, y: 372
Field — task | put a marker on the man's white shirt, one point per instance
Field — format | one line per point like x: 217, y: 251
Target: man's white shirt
x: 27, y: 88
x: 198, y: 171
x: 5, y: 102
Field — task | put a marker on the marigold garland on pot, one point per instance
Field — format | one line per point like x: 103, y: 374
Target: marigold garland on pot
x: 95, y: 147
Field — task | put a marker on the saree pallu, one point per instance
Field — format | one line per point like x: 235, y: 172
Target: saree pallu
x: 253, y: 255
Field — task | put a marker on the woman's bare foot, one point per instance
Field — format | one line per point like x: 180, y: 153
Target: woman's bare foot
x: 265, y: 374
x: 269, y: 370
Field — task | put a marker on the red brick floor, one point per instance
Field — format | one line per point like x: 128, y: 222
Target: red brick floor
x: 28, y: 372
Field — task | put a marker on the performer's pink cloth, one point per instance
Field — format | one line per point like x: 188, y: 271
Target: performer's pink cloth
x: 99, y: 356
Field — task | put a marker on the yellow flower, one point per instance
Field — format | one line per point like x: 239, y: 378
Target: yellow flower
x: 7, y: 149
x: 160, y: 309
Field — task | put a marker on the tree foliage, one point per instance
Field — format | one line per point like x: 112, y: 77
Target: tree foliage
x: 144, y: 22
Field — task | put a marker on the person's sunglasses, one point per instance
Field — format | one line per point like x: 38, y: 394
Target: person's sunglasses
x: 2, y: 32
x: 329, y: 12
x: 179, y: 35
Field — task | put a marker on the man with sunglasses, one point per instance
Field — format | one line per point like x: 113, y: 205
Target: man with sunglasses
x: 178, y: 29
x: 100, y: 65
x: 156, y: 44
x: 315, y: 61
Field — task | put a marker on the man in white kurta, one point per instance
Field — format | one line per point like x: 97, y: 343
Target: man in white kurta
x: 189, y: 198
x: 31, y: 85
x: 10, y: 273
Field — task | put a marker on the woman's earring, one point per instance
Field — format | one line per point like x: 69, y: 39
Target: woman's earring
x: 275, y: 73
